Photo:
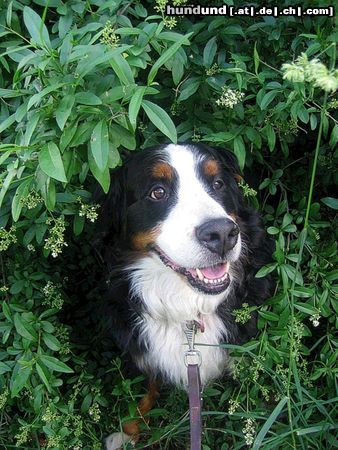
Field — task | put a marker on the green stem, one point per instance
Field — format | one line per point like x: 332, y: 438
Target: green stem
x: 314, y: 167
x: 303, y: 236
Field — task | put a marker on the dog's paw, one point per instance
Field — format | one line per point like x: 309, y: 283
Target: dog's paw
x: 116, y: 441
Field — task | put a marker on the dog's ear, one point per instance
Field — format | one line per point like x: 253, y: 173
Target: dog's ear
x: 113, y: 205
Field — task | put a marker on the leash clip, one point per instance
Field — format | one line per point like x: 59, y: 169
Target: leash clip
x: 192, y: 357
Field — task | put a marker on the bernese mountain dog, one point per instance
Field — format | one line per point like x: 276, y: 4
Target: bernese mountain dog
x: 190, y: 249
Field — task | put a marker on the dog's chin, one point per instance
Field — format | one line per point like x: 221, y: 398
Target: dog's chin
x: 210, y: 280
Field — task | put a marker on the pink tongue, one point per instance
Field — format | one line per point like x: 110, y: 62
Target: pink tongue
x: 214, y: 272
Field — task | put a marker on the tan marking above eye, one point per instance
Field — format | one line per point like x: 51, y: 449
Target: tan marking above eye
x: 143, y: 239
x: 210, y: 167
x: 163, y: 170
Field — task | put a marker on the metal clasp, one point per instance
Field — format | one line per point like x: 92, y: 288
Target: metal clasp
x: 192, y: 357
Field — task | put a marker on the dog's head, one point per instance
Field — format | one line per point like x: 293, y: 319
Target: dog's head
x: 181, y: 202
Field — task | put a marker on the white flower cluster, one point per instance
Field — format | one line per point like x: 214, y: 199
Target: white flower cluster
x: 233, y: 406
x: 7, y: 238
x: 89, y: 211
x: 52, y: 295
x: 55, y: 241
x: 229, y: 98
x: 315, y: 319
x: 249, y: 431
x: 311, y: 71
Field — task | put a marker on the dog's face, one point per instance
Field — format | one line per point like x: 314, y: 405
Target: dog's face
x: 182, y: 203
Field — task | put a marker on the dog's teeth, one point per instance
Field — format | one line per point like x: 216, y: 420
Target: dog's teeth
x: 200, y: 274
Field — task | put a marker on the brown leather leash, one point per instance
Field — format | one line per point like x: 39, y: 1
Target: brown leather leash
x: 193, y: 360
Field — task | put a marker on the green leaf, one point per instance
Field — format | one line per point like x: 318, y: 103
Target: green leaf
x: 20, y: 376
x: 306, y: 308
x: 4, y: 368
x: 44, y: 374
x: 36, y: 28
x: 263, y: 271
x: 232, y: 70
x: 220, y: 137
x: 122, y: 136
x: 135, y: 104
x: 267, y: 99
x: 6, y: 183
x: 268, y: 315
x: 332, y: 275
x: 114, y: 156
x: 34, y: 100
x: 50, y: 197
x: 102, y: 176
x: 7, y: 122
x: 313, y: 121
x: 54, y: 364
x: 78, y: 224
x: 268, y: 424
x: 303, y: 292
x: 209, y: 52
x: 271, y: 135
x: 303, y: 113
x: 17, y: 286
x: 177, y: 69
x: 330, y: 202
x: 87, y: 98
x: 239, y: 150
x: 51, y: 162
x: 24, y: 328
x: 7, y: 312
x: 273, y: 353
x: 63, y: 110
x: 189, y: 88
x: 334, y: 136
x: 272, y: 230
x: 86, y: 66
x: 234, y: 29
x: 292, y: 273
x: 160, y: 119
x: 5, y: 156
x: 20, y: 193
x: 297, y: 105
x: 87, y: 401
x: 51, y: 341
x: 122, y: 69
x: 99, y: 145
x: 31, y: 126
x: 165, y: 56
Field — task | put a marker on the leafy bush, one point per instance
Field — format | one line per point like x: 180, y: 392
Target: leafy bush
x: 84, y: 81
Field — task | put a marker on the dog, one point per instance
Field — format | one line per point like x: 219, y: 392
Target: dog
x: 190, y: 249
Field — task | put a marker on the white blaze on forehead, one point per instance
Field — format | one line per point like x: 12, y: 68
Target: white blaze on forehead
x: 194, y: 207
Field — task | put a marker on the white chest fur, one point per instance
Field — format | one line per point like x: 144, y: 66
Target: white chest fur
x: 170, y: 302
x: 167, y: 344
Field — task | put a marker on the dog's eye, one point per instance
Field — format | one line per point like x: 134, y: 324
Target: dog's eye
x: 217, y: 185
x: 158, y: 193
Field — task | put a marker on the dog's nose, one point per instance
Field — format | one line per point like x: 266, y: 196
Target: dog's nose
x: 218, y: 235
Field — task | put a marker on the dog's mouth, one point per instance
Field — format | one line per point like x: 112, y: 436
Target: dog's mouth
x: 210, y: 280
